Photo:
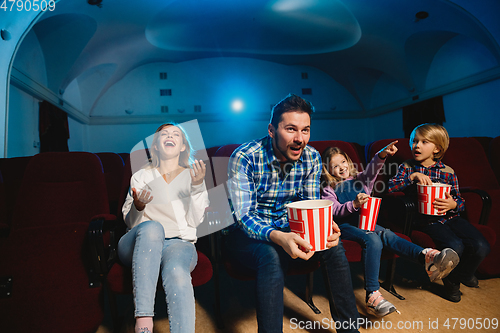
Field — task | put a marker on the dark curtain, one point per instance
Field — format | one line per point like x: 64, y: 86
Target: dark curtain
x: 428, y: 111
x: 53, y: 128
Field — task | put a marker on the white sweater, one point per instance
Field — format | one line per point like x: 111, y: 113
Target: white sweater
x: 178, y: 206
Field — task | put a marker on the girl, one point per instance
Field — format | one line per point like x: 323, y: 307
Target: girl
x: 348, y: 190
x: 161, y: 232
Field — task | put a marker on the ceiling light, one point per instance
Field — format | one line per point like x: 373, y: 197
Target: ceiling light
x: 237, y: 105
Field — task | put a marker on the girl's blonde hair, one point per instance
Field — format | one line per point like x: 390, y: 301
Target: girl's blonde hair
x: 434, y: 133
x: 327, y: 179
x: 185, y: 156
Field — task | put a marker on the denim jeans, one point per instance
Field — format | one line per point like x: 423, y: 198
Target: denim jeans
x: 270, y: 262
x: 145, y: 249
x: 470, y: 244
x: 372, y: 243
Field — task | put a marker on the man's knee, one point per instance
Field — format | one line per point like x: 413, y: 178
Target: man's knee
x: 336, y: 254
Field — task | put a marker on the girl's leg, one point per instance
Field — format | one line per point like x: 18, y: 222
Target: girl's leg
x: 179, y: 258
x: 398, y: 245
x: 372, y: 250
x: 141, y: 248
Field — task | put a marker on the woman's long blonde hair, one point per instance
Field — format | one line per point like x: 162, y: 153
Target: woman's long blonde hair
x: 327, y: 179
x: 185, y: 156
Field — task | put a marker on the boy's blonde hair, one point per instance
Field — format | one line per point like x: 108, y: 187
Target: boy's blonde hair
x: 434, y: 133
x: 328, y: 179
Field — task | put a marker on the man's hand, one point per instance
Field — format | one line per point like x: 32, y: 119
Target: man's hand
x: 444, y: 205
x: 333, y: 239
x: 420, y: 178
x: 290, y: 242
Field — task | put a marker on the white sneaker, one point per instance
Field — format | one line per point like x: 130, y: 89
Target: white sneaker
x: 377, y: 305
x: 439, y: 264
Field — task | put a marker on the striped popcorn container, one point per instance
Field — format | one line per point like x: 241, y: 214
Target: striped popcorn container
x: 311, y: 220
x: 427, y: 194
x: 368, y: 214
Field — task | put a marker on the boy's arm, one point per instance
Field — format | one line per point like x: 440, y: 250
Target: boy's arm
x: 455, y: 193
x: 401, y: 180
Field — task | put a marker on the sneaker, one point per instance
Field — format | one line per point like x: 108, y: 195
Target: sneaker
x: 378, y: 305
x: 144, y: 330
x: 438, y: 264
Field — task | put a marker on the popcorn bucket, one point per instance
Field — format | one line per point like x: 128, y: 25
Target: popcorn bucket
x: 311, y: 220
x: 368, y: 214
x: 427, y: 194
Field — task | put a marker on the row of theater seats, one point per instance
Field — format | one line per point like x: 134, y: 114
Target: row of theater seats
x: 476, y: 161
x: 58, y: 241
x: 50, y: 203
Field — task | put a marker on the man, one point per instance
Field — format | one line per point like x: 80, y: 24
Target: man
x: 264, y: 176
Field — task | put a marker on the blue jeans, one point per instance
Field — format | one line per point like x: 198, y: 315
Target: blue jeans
x: 145, y: 249
x: 372, y: 243
x: 271, y: 262
x: 470, y: 244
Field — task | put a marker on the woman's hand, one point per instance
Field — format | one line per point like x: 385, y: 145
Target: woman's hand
x: 361, y: 198
x: 390, y: 150
x: 141, y: 199
x: 198, y: 170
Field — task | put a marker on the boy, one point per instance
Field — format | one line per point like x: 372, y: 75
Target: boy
x: 429, y: 143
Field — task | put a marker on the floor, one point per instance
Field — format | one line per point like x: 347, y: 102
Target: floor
x: 423, y: 310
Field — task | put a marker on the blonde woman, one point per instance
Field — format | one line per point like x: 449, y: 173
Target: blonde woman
x: 165, y: 204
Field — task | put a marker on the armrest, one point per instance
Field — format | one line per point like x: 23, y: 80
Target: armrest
x: 400, y: 207
x: 485, y: 198
x: 102, y: 257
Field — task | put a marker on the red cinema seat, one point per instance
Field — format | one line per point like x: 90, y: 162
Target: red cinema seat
x: 45, y: 256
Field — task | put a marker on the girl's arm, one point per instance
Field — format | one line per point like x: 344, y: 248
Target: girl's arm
x: 338, y: 209
x: 372, y: 170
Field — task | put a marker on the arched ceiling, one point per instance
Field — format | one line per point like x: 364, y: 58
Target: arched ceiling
x: 354, y: 41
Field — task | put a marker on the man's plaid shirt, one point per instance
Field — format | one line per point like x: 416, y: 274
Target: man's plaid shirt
x: 260, y: 190
x: 438, y: 173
